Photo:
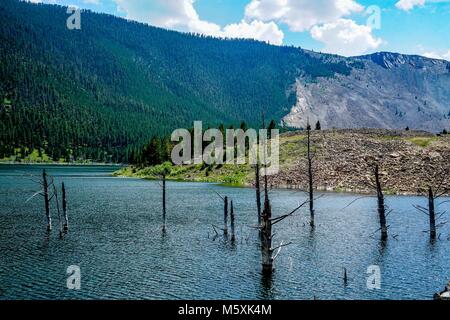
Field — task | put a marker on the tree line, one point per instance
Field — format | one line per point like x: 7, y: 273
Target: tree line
x: 102, y: 92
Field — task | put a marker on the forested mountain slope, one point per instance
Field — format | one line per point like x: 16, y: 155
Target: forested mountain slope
x: 103, y: 91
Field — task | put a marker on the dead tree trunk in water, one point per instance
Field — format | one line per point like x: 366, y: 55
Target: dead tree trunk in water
x: 266, y: 224
x: 164, y: 201
x: 437, y: 186
x: 381, y: 205
x: 55, y: 195
x: 225, y: 216
x: 46, y: 200
x: 233, y: 235
x: 258, y: 192
x: 64, y: 207
x: 310, y: 176
x: 432, y: 213
x: 266, y: 233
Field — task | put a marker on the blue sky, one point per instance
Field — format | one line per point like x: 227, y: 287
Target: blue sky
x: 337, y: 26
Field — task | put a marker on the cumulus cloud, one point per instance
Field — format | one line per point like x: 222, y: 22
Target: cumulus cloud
x: 96, y: 2
x: 408, y: 5
x: 346, y: 37
x: 268, y: 32
x: 436, y: 55
x: 301, y: 15
x: 181, y: 15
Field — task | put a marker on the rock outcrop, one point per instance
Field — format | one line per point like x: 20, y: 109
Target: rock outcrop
x: 384, y: 90
x: 344, y: 159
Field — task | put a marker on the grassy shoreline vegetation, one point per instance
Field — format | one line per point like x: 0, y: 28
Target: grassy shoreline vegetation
x: 342, y: 162
x: 232, y: 175
x: 35, y: 157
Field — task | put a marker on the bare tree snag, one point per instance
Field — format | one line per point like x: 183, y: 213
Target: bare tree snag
x: 46, y: 200
x: 437, y: 187
x: 258, y: 192
x: 164, y: 201
x: 225, y: 216
x: 64, y: 207
x: 266, y: 234
x: 55, y: 195
x: 233, y: 234
x: 381, y: 205
x: 310, y: 176
x: 267, y: 223
x: 432, y: 213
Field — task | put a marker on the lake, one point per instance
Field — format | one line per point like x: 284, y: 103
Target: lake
x: 115, y: 238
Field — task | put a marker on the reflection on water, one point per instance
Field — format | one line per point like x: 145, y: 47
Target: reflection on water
x: 117, y: 240
x: 266, y: 286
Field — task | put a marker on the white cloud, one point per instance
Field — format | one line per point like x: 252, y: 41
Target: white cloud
x: 181, y: 15
x: 345, y: 37
x: 408, y: 5
x: 268, y: 32
x: 301, y: 15
x: 42, y: 1
x: 95, y: 2
x: 435, y: 55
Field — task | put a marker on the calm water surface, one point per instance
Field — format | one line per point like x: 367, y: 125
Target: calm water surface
x: 115, y: 237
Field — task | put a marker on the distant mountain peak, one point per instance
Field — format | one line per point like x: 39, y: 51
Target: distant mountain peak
x: 390, y: 60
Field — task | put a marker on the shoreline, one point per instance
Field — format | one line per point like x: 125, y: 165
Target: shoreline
x: 319, y: 189
x: 93, y: 164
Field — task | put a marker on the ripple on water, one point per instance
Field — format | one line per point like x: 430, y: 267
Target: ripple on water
x: 115, y: 237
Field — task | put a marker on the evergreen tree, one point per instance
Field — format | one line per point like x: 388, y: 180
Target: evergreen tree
x: 152, y: 153
x: 318, y: 126
x: 108, y: 100
x: 272, y: 126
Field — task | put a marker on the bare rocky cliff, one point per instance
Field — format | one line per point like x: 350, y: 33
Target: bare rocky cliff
x: 384, y: 90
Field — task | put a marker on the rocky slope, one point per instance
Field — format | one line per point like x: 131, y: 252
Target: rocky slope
x: 384, y: 90
x: 344, y: 161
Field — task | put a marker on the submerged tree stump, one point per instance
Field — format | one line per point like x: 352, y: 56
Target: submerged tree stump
x: 64, y: 207
x: 266, y: 237
x: 225, y: 216
x: 232, y: 218
x: 432, y: 213
x: 381, y: 205
x: 310, y: 177
x: 164, y: 201
x: 46, y: 200
x: 258, y: 193
x: 55, y: 196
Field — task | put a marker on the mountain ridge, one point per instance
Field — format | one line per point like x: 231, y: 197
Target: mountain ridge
x: 103, y: 91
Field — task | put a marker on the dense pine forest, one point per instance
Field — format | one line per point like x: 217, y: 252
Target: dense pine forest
x: 102, y: 92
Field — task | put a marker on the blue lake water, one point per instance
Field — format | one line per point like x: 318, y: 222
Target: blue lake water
x: 115, y: 238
